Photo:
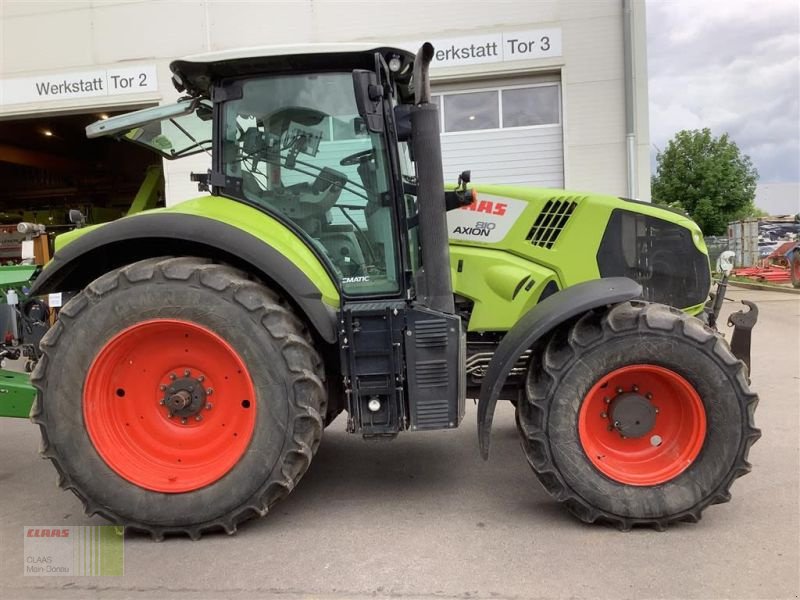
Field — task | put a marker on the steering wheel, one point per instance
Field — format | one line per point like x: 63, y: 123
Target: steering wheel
x: 357, y: 158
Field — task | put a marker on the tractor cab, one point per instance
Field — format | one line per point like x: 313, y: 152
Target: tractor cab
x: 343, y: 149
x: 310, y: 138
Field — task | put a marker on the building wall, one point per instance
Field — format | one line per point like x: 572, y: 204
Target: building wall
x: 61, y: 36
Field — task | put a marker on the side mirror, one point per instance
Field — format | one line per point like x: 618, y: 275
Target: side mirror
x: 77, y: 218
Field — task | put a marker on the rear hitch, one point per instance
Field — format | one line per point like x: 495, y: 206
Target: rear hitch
x: 743, y: 323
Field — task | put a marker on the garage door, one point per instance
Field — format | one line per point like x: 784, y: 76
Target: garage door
x: 504, y: 134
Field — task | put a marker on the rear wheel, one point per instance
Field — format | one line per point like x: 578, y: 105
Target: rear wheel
x: 795, y: 268
x: 637, y: 415
x: 176, y: 395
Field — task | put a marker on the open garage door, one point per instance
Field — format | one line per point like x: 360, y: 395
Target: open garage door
x: 48, y: 166
x: 505, y: 133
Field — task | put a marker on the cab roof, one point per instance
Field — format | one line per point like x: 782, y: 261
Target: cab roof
x: 195, y: 74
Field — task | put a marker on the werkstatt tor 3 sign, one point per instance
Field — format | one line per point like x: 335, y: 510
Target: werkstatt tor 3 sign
x: 495, y: 47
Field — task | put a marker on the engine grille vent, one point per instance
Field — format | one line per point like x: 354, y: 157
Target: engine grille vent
x: 431, y: 333
x: 431, y: 374
x: 551, y: 222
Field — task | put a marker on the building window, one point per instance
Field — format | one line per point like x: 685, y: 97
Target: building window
x: 471, y: 111
x: 502, y: 108
x: 523, y: 107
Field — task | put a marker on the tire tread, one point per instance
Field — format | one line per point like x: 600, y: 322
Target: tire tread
x: 303, y: 361
x: 562, y: 349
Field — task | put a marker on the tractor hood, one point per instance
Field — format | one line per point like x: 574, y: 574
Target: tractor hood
x: 583, y: 236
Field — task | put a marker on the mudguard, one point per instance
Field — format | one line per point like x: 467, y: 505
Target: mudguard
x: 537, y: 322
x: 163, y: 234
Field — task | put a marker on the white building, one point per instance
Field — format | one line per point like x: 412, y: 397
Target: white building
x: 531, y: 92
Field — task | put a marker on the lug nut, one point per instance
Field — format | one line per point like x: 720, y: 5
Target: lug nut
x: 201, y: 379
x: 604, y: 414
x: 636, y: 388
x: 172, y: 376
x: 186, y: 372
x: 620, y: 390
x: 209, y: 406
x: 657, y: 411
x: 198, y: 418
x: 649, y: 396
x: 210, y: 391
x: 162, y: 387
x: 183, y: 421
x: 607, y: 400
x: 161, y: 402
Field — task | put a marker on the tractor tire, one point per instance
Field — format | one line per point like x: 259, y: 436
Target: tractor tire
x: 179, y: 396
x: 637, y: 415
x: 794, y: 268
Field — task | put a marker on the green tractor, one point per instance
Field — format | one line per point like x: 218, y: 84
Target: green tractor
x: 186, y: 385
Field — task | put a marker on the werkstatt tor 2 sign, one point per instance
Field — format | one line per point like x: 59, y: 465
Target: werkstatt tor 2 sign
x: 83, y: 84
x: 495, y: 47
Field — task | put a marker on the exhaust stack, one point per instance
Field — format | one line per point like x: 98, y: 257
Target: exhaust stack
x: 437, y: 289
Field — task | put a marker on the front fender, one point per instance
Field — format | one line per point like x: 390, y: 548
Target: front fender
x: 536, y: 323
x: 172, y: 233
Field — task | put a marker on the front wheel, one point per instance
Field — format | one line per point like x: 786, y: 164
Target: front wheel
x: 637, y: 415
x: 179, y: 396
x: 794, y: 268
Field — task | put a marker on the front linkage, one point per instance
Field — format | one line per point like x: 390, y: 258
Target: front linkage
x: 741, y: 321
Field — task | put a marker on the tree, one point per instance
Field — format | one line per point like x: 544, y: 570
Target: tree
x: 707, y: 177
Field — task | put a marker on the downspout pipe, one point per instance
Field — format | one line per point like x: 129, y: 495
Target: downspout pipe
x: 630, y: 101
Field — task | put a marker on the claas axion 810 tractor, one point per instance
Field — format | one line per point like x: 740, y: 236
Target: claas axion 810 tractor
x: 186, y: 385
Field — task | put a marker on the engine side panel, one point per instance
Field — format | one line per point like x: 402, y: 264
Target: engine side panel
x: 501, y: 286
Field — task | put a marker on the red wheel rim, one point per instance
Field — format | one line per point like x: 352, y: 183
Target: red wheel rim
x: 670, y: 445
x: 133, y: 400
x: 796, y: 266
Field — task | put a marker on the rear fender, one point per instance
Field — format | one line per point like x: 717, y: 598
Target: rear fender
x: 537, y: 323
x: 148, y: 235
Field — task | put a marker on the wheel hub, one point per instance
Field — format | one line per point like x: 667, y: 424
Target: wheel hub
x: 147, y: 405
x: 642, y: 438
x: 632, y: 414
x: 185, y: 397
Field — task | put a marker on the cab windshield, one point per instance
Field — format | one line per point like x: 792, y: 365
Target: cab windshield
x: 299, y: 148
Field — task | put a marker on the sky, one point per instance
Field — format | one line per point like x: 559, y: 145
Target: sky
x: 732, y: 66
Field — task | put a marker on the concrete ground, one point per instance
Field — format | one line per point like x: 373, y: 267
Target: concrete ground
x: 425, y: 517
